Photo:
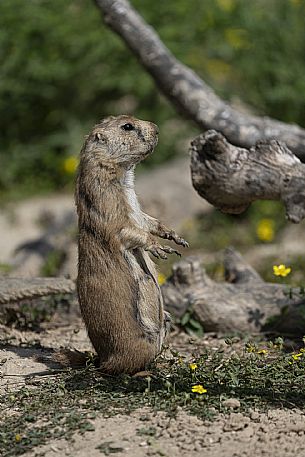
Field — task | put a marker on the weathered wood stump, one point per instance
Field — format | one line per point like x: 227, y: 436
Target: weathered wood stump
x: 244, y: 303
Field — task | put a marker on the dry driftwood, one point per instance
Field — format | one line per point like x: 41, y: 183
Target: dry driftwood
x: 230, y: 178
x: 244, y: 303
x: 17, y: 289
x: 187, y: 91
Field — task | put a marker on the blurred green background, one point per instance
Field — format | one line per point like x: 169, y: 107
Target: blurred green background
x: 62, y: 70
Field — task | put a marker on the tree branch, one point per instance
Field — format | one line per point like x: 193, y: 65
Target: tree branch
x: 230, y: 178
x: 187, y: 91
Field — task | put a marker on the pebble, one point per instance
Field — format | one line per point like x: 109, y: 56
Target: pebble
x: 231, y: 403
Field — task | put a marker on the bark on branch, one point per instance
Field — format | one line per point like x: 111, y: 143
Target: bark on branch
x: 16, y: 289
x: 244, y: 303
x: 187, y: 91
x: 230, y: 178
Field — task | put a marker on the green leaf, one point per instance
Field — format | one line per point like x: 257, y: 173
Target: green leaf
x: 185, y: 318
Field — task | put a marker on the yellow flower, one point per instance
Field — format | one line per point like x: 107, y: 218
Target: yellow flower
x: 161, y: 279
x: 193, y: 366
x: 297, y: 356
x: 281, y: 270
x: 262, y: 352
x: 265, y: 230
x: 70, y: 165
x: 17, y: 438
x: 251, y: 347
x: 199, y: 389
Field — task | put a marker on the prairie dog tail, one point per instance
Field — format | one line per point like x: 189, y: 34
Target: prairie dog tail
x: 74, y: 359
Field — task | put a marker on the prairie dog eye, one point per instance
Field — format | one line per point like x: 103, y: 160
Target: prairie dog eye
x: 128, y: 127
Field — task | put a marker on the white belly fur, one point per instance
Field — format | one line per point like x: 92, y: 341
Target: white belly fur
x: 138, y: 217
x: 137, y: 269
x: 132, y: 199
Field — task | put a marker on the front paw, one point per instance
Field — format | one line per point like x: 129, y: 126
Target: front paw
x: 172, y: 235
x: 160, y: 251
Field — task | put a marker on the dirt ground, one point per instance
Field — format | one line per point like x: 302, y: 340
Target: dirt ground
x: 278, y: 433
x: 275, y: 433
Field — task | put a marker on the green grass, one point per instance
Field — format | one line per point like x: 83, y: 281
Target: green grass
x: 69, y: 401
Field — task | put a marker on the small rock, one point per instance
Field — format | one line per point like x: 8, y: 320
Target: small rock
x: 231, y: 403
x: 117, y: 446
x: 212, y: 410
x: 254, y: 415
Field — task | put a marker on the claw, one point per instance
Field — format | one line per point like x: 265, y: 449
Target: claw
x: 154, y: 252
x: 158, y: 251
x: 178, y: 240
x: 167, y: 249
x: 171, y: 250
x: 182, y: 242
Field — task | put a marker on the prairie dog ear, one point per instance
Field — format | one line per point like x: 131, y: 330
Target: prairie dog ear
x: 99, y: 138
x: 106, y: 119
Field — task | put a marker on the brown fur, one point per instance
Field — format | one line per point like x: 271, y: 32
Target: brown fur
x: 119, y: 296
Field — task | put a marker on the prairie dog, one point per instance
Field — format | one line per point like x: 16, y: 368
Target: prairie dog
x: 117, y: 285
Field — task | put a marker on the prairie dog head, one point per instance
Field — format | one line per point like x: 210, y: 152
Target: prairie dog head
x: 122, y: 140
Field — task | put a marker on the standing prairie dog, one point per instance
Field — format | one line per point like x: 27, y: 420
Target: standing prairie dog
x: 117, y: 285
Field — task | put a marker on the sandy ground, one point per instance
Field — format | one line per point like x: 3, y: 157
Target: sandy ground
x: 277, y: 433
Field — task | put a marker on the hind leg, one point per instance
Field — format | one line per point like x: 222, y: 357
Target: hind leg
x: 133, y: 358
